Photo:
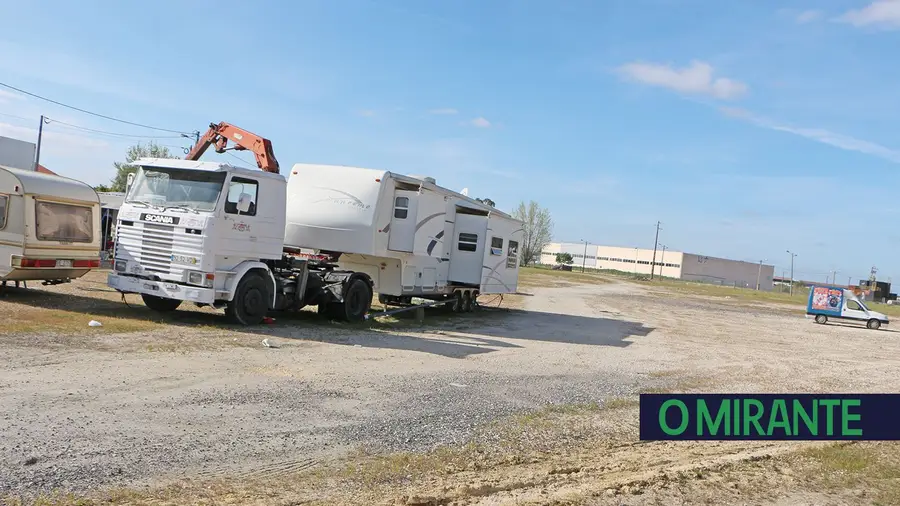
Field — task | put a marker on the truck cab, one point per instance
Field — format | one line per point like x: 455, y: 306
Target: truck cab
x: 191, y: 231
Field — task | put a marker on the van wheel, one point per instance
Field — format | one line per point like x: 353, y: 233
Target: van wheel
x: 873, y: 324
x: 820, y: 318
x: 467, y: 302
x: 160, y: 304
x: 250, y: 302
x: 357, y: 300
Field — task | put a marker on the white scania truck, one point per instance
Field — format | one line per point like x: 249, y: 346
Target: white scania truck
x: 253, y: 241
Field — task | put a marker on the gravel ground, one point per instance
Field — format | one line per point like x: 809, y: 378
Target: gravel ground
x: 76, y: 418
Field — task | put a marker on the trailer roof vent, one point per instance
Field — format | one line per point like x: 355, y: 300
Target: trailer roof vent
x: 427, y: 179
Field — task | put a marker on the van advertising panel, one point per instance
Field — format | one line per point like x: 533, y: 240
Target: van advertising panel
x: 826, y: 300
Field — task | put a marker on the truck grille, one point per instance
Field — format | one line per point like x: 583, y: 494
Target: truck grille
x: 152, y: 245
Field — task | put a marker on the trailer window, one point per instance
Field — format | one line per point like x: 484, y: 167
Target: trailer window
x: 401, y: 207
x: 4, y: 205
x: 512, y: 255
x: 238, y: 186
x: 63, y: 222
x: 468, y: 242
x: 496, y: 246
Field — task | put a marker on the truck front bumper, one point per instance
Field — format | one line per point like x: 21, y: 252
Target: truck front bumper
x: 131, y: 284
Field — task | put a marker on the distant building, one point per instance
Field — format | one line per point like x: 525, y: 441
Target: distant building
x: 669, y: 263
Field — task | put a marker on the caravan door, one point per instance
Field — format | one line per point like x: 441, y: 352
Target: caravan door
x: 402, y: 236
x: 467, y: 253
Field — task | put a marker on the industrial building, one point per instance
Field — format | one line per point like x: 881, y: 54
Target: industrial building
x: 669, y: 263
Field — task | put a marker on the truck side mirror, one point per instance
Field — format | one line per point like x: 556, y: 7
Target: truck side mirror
x: 243, y: 204
x: 129, y: 180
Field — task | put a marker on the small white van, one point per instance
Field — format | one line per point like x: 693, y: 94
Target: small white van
x: 49, y: 227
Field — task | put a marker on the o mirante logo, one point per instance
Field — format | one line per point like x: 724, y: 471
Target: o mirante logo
x: 769, y: 416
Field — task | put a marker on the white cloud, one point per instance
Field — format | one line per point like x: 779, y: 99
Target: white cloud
x: 697, y: 78
x: 480, y: 122
x: 808, y: 16
x: 884, y: 13
x: 6, y: 96
x: 444, y: 111
x: 819, y: 135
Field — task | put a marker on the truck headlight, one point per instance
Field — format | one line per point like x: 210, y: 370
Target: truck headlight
x: 121, y: 265
x: 201, y: 278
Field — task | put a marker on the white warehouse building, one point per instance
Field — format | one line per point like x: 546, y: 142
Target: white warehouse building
x: 669, y: 264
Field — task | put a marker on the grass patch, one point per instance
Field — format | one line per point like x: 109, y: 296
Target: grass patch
x: 543, y: 277
x: 870, y: 467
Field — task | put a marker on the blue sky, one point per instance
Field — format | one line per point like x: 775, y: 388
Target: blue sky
x: 747, y: 127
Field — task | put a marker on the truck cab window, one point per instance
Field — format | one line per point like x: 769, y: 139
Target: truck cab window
x: 401, y: 207
x: 853, y: 305
x: 237, y: 187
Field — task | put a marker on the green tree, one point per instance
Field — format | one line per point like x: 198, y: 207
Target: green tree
x: 102, y: 188
x: 151, y: 150
x: 538, y: 230
x: 564, y: 258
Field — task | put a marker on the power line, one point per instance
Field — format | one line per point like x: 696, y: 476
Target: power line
x: 94, y: 113
x: 104, y: 132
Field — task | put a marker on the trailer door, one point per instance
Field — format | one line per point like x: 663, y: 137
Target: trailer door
x: 402, y: 236
x: 467, y: 249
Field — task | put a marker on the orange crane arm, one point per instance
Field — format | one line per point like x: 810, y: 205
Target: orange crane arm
x: 220, y: 134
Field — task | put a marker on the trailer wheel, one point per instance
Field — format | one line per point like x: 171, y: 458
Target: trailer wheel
x: 357, y: 300
x: 820, y: 318
x: 160, y: 304
x: 467, y: 302
x: 873, y: 324
x: 250, y: 302
x: 457, y: 302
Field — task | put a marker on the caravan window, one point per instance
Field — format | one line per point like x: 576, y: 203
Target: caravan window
x: 496, y: 246
x: 512, y: 255
x: 401, y: 207
x: 4, y: 205
x: 64, y: 222
x: 468, y: 242
x: 238, y: 186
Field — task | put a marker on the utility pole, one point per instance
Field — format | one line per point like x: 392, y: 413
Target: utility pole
x: 792, y: 271
x: 655, y: 243
x: 662, y: 260
x: 37, y: 154
x: 758, y: 272
x: 834, y: 276
x: 584, y: 256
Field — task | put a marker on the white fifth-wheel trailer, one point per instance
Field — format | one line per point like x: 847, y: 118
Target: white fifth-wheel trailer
x: 253, y: 241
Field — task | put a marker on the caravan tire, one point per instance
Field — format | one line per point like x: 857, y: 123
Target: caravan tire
x: 467, y: 302
x: 820, y: 318
x: 250, y: 302
x: 357, y: 300
x: 457, y: 305
x: 160, y: 304
x: 873, y: 324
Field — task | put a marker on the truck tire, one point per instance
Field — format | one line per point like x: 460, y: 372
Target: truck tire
x: 820, y: 318
x: 457, y: 302
x: 357, y: 300
x: 160, y: 304
x: 873, y: 324
x: 250, y: 302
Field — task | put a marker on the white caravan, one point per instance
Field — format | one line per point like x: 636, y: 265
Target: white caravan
x: 253, y: 241
x: 49, y: 227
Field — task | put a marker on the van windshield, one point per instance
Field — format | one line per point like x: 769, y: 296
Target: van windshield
x: 197, y: 190
x: 862, y: 304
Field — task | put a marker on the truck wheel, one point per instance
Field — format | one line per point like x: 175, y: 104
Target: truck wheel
x: 160, y: 304
x: 873, y: 324
x: 467, y: 302
x: 250, y: 302
x: 820, y: 318
x: 357, y: 300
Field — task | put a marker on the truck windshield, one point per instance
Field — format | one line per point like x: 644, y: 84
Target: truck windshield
x: 198, y: 190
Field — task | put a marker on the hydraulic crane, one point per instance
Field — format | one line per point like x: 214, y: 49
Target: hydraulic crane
x: 220, y: 134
